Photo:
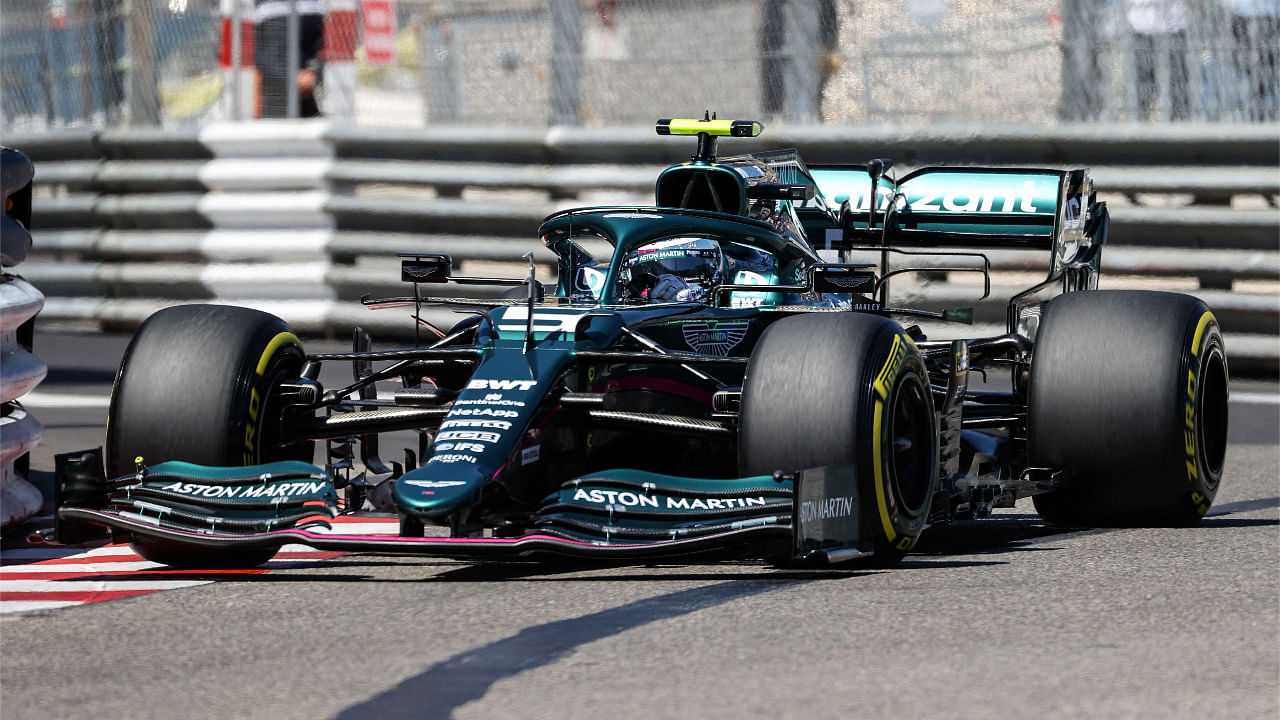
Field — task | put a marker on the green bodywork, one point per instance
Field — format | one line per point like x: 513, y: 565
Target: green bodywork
x: 506, y: 421
x: 502, y: 419
x: 254, y: 498
x: 490, y: 421
x: 509, y: 401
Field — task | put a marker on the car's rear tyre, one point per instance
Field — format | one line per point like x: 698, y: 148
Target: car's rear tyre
x: 198, y: 383
x: 846, y: 389
x: 1128, y: 393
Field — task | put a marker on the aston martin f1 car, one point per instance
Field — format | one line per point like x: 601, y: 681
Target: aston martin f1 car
x: 712, y: 374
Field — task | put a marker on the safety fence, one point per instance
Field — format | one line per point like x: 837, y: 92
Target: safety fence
x: 185, y: 63
x: 20, y: 370
x: 302, y: 218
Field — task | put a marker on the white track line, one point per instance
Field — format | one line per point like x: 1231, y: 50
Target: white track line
x: 95, y: 585
x: 51, y: 400
x: 1255, y: 398
x: 17, y: 606
x: 89, y: 567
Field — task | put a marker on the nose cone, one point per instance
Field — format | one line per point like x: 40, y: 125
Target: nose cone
x: 436, y: 489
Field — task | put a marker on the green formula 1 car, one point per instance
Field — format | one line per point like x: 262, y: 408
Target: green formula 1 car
x: 709, y: 375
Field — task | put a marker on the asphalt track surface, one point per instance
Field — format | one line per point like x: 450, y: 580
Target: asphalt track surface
x: 1006, y: 618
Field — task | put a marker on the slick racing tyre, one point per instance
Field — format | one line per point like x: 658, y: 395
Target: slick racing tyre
x: 1128, y: 394
x: 846, y: 389
x: 198, y: 383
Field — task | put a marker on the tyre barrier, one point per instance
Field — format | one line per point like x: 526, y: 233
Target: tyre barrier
x: 20, y: 370
x: 305, y: 216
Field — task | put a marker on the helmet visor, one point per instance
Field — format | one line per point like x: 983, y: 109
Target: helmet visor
x: 696, y: 261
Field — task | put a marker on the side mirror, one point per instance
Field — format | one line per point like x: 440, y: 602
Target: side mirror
x: 844, y: 220
x: 878, y: 167
x: 416, y: 268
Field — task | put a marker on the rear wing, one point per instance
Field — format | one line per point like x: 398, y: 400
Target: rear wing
x: 969, y: 207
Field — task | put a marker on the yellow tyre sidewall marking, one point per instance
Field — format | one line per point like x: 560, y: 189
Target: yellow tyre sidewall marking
x: 284, y: 338
x: 1205, y: 319
x: 883, y: 385
x: 1191, y: 439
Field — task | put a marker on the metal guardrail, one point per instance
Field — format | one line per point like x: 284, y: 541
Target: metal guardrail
x: 293, y: 217
x: 20, y: 370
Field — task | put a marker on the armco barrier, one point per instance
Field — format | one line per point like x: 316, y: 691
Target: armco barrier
x: 20, y: 371
x: 302, y: 217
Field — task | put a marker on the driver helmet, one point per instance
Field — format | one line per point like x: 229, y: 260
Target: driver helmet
x: 671, y: 270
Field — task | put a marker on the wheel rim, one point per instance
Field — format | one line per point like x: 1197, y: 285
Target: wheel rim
x: 911, y: 445
x: 272, y: 445
x: 1211, y: 416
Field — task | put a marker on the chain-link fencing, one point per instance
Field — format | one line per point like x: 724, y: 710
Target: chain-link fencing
x: 107, y: 63
x: 173, y: 63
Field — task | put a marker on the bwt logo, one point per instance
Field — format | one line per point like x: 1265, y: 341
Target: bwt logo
x: 484, y: 384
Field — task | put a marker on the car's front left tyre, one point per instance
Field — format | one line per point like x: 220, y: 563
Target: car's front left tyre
x: 847, y: 389
x: 200, y: 383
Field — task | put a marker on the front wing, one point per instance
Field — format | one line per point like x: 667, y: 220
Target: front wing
x: 812, y: 516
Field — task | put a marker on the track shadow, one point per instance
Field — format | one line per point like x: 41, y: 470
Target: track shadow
x: 1002, y: 534
x: 916, y: 562
x: 668, y: 573
x: 1008, y: 533
x: 1238, y: 522
x: 467, y: 676
x: 1241, y: 506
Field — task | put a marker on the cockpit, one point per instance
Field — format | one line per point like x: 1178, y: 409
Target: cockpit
x: 670, y: 267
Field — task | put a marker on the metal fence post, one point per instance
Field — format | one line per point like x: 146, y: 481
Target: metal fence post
x: 104, y: 18
x: 440, y: 56
x: 803, y: 84
x: 566, y: 63
x: 293, y: 60
x: 1081, y: 73
x: 143, y: 96
x: 237, y: 52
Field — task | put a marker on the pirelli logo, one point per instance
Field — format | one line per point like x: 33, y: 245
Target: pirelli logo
x: 897, y: 354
